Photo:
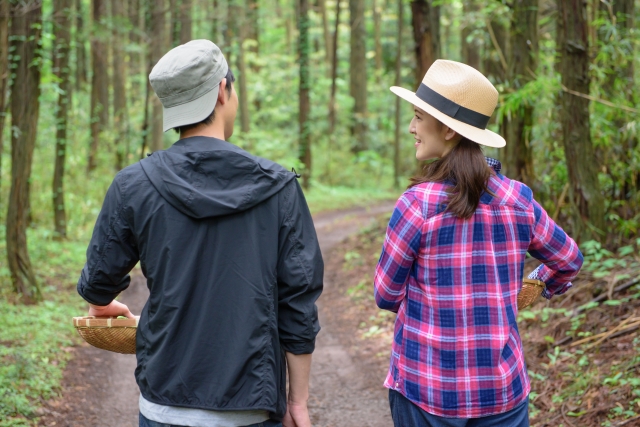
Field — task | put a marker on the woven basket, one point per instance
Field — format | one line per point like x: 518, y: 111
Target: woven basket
x: 531, y: 290
x: 108, y: 333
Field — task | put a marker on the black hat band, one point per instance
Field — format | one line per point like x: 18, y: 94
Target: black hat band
x: 452, y: 109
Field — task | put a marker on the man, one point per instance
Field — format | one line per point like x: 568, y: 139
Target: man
x: 227, y: 244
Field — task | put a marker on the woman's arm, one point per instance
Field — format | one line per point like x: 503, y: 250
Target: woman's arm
x: 557, y: 251
x: 399, y: 251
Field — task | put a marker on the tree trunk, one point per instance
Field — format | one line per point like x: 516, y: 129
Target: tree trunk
x: 62, y: 39
x: 523, y: 61
x: 584, y: 189
x: 81, y: 51
x: 334, y: 73
x: 252, y: 31
x: 377, y: 34
x: 243, y: 98
x: 332, y: 96
x: 26, y: 27
x: 4, y: 73
x: 134, y: 38
x: 325, y: 32
x: 119, y: 82
x: 99, y: 81
x: 426, y: 35
x: 305, y: 137
x: 158, y: 42
x: 470, y: 48
x: 185, y: 21
x: 619, y: 80
x: 398, y: 82
x: 174, y: 22
x: 358, y: 74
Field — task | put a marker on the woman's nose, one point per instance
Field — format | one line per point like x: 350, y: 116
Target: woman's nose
x: 412, y: 128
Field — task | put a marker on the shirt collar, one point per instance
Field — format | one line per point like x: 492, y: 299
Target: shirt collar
x: 494, y: 164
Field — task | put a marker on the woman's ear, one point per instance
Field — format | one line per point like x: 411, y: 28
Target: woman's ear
x: 451, y: 135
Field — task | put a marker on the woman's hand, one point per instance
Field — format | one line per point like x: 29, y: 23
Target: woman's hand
x: 297, y: 415
x: 114, y: 309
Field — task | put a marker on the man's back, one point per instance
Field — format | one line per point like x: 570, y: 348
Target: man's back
x: 226, y: 242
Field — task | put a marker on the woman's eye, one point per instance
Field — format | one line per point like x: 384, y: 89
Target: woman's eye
x: 417, y: 117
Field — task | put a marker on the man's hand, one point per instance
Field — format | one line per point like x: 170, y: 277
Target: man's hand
x: 297, y: 415
x: 114, y: 309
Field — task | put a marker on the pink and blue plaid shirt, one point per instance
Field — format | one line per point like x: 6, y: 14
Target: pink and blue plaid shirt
x: 454, y: 284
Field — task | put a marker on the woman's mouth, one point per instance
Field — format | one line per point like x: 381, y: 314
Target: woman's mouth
x: 417, y: 143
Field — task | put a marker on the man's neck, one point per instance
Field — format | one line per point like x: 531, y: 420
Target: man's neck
x: 214, y: 130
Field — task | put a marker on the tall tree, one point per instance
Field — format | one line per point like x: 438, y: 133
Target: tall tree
x: 325, y: 32
x: 4, y: 70
x: 26, y: 27
x: 186, y: 22
x: 120, y: 113
x: 377, y: 33
x: 62, y: 39
x: 158, y: 34
x: 334, y: 74
x: 619, y: 86
x: 81, y: 51
x: 470, y: 47
x: 398, y: 82
x: 523, y: 60
x: 99, y: 80
x: 305, y: 137
x: 358, y: 73
x: 573, y: 65
x: 240, y: 31
x: 426, y: 35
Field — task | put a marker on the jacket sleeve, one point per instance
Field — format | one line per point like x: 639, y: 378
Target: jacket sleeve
x: 300, y: 274
x: 399, y: 251
x: 111, y: 253
x: 561, y: 259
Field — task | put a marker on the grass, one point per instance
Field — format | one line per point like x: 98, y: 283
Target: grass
x: 323, y: 198
x: 35, y: 339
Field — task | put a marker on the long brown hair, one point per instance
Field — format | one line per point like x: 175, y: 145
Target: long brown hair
x: 466, y: 168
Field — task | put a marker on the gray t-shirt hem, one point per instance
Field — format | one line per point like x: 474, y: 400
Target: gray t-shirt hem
x: 200, y: 417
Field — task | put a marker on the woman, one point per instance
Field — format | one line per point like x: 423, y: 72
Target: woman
x: 452, y: 264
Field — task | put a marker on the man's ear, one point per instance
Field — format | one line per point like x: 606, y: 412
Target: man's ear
x: 221, y: 98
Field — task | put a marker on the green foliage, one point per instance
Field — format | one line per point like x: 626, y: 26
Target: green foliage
x: 35, y: 339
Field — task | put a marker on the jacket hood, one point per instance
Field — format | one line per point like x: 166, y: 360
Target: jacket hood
x: 206, y: 177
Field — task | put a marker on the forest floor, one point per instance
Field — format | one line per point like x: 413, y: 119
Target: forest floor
x: 99, y: 389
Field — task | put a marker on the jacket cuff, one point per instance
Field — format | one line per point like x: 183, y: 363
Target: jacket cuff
x: 298, y: 347
x: 93, y: 297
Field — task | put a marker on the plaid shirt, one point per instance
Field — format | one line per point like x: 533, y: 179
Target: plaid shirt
x: 454, y: 284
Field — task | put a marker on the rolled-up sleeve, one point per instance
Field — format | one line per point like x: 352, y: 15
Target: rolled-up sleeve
x: 111, y: 253
x: 300, y: 274
x: 399, y: 251
x: 560, y: 256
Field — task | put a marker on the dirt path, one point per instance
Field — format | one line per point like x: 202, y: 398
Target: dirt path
x: 99, y: 388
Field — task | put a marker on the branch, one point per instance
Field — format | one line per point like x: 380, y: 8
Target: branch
x: 496, y: 45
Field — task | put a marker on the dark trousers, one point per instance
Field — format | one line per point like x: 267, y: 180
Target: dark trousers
x: 144, y: 422
x: 406, y: 414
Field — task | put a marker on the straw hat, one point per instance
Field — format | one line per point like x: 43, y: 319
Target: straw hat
x: 460, y: 97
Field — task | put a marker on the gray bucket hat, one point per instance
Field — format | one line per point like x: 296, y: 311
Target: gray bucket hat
x: 187, y: 80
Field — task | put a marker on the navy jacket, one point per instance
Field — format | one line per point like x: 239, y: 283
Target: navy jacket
x: 227, y: 244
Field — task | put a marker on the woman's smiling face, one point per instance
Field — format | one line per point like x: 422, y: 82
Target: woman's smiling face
x: 433, y: 139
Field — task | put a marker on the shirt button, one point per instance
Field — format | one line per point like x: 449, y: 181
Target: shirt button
x: 397, y: 385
